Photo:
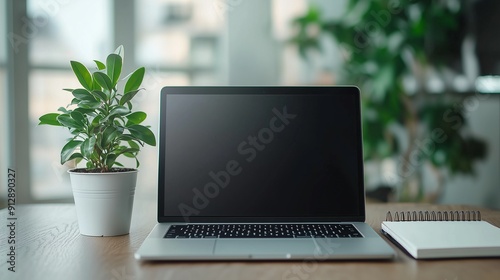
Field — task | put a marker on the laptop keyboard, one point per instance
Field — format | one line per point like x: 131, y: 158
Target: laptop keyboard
x: 262, y: 231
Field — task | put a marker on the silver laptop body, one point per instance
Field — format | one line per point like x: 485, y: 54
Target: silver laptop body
x: 261, y: 173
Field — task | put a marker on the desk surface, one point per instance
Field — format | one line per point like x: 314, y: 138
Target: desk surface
x: 49, y: 246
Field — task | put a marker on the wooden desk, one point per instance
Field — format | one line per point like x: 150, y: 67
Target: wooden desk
x: 49, y: 246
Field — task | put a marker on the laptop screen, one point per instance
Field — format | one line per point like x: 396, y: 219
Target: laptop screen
x: 260, y: 154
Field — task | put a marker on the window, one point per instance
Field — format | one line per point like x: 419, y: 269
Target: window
x: 69, y: 30
x: 49, y: 178
x: 177, y: 41
x: 180, y: 36
x: 62, y: 32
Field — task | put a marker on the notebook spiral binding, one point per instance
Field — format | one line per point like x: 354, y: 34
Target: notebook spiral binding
x: 414, y: 216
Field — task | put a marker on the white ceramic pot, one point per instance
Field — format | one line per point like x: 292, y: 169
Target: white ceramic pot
x: 104, y: 201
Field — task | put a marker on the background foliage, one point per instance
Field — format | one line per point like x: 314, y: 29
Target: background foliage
x: 384, y: 42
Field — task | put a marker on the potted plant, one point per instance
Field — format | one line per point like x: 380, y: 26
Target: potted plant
x: 385, y: 45
x: 103, y: 129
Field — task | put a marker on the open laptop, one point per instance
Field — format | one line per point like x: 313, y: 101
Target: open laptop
x: 261, y: 173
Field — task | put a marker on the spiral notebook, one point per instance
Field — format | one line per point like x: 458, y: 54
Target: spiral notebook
x: 443, y: 234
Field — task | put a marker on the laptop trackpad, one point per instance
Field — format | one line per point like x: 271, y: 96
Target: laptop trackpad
x: 259, y: 247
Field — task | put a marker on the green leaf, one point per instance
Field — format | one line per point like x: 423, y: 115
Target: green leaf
x: 67, y: 121
x: 120, y: 51
x: 96, y: 120
x: 49, y: 119
x: 143, y: 133
x: 75, y: 132
x: 90, y: 165
x: 129, y: 152
x: 119, y: 110
x: 136, y: 117
x: 89, y: 112
x: 100, y: 65
x: 83, y: 94
x: 134, y: 145
x: 76, y: 156
x: 114, y: 68
x: 135, y: 80
x: 129, y: 155
x: 95, y: 85
x: 126, y: 137
x: 68, y: 89
x: 67, y: 150
x: 109, y: 136
x: 83, y: 74
x: 63, y: 110
x: 87, y: 104
x: 103, y: 80
x: 83, y: 111
x: 78, y: 117
x: 128, y: 96
x: 110, y: 160
x: 100, y: 95
x: 87, y: 147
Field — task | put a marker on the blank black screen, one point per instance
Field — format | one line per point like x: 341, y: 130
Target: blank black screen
x: 263, y: 155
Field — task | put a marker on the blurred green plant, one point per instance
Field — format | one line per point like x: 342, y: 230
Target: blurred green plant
x: 100, y: 117
x: 383, y: 42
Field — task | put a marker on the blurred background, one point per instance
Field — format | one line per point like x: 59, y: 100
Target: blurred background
x: 428, y: 71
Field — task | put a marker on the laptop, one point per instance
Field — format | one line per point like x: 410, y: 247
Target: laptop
x: 261, y: 173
